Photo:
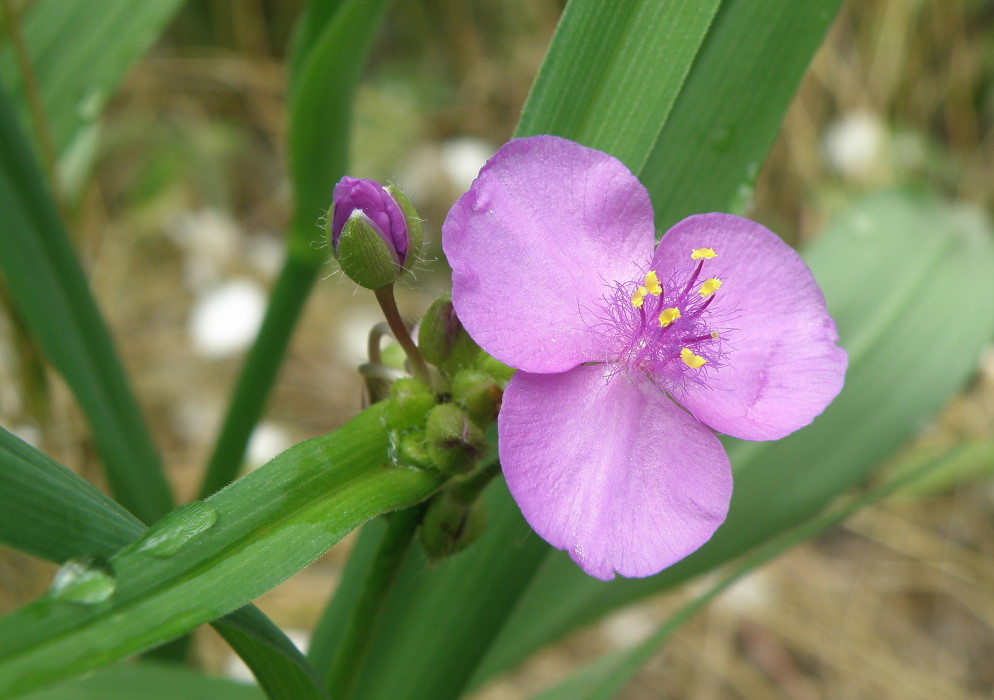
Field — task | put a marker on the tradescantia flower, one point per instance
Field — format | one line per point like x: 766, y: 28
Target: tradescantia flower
x: 629, y: 356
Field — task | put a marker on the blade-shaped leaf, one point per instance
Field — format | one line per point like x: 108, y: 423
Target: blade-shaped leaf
x: 47, y: 510
x: 594, y: 86
x: 270, y: 524
x: 49, y: 289
x: 50, y: 512
x: 148, y: 681
x: 731, y: 106
x: 79, y: 52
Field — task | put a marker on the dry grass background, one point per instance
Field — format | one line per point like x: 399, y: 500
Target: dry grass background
x: 189, y: 191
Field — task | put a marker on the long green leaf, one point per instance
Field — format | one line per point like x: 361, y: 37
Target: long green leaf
x: 52, y: 513
x: 270, y: 524
x: 147, y: 681
x: 49, y: 512
x: 80, y: 51
x: 614, y: 71
x: 328, y: 57
x: 591, y: 52
x: 731, y: 106
x: 50, y: 291
x: 899, y: 376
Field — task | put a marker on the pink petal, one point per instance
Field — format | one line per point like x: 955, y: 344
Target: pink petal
x: 611, y: 470
x: 783, y: 366
x: 533, y: 244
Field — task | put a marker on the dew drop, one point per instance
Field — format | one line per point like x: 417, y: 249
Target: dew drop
x: 176, y: 528
x: 85, y: 580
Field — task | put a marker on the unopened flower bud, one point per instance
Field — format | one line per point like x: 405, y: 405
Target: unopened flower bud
x: 410, y: 401
x: 374, y: 230
x: 450, y: 525
x: 478, y: 393
x: 455, y: 443
x: 443, y: 340
x: 412, y: 449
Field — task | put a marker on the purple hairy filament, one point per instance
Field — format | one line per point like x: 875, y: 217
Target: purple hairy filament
x: 667, y: 334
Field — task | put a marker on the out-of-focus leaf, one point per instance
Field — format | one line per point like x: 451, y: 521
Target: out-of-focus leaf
x: 148, y: 681
x: 50, y: 291
x: 887, y: 264
x: 49, y: 512
x: 269, y: 525
x: 328, y: 56
x: 80, y: 51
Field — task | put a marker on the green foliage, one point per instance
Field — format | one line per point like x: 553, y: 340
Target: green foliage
x: 690, y: 96
x: 49, y: 290
x: 270, y: 524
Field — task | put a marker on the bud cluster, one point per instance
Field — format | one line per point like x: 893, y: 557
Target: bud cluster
x: 438, y: 419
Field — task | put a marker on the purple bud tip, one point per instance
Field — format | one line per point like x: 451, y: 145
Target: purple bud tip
x: 370, y: 199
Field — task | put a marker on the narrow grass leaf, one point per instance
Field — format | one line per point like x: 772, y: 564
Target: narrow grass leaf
x: 50, y: 512
x: 79, y: 53
x: 50, y: 291
x: 149, y: 681
x: 270, y: 524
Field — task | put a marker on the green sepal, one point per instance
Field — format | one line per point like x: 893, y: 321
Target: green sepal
x: 415, y: 231
x: 412, y: 449
x: 495, y: 368
x: 442, y: 339
x: 450, y: 525
x: 410, y: 401
x: 479, y: 393
x: 455, y: 443
x: 363, y: 254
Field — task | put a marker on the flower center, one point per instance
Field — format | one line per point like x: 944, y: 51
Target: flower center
x: 666, y: 329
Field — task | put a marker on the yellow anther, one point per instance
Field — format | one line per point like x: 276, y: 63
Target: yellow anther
x: 715, y: 335
x: 691, y: 360
x: 668, y: 316
x: 652, y: 285
x: 709, y: 287
x: 638, y: 297
x: 702, y: 254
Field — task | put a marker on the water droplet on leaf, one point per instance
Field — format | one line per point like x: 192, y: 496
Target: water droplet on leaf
x: 176, y: 528
x: 87, y: 580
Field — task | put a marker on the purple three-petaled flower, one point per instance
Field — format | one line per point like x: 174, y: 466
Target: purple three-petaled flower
x: 629, y: 354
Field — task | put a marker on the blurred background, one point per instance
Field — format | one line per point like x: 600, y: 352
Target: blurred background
x: 178, y: 200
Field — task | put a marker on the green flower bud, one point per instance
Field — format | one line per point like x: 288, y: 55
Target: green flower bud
x: 412, y: 449
x: 495, y: 368
x: 375, y: 232
x: 442, y: 339
x: 449, y: 526
x: 410, y: 401
x: 455, y: 443
x: 478, y: 393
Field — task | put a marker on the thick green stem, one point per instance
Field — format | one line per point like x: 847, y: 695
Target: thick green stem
x: 259, y: 372
x: 364, y: 617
